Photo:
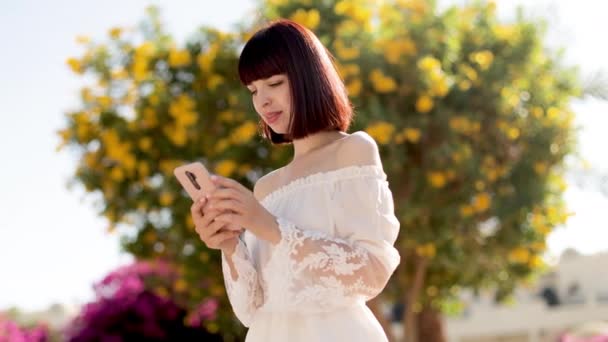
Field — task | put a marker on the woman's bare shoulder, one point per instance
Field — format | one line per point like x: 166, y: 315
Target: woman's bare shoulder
x: 359, y: 149
x: 265, y: 184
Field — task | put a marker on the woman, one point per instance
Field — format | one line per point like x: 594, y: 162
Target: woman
x: 319, y: 232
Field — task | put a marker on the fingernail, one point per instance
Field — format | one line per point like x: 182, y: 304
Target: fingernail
x: 213, y: 177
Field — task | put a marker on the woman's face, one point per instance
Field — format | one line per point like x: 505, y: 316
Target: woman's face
x: 272, y: 100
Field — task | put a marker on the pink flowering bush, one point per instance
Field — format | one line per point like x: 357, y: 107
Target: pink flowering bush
x: 10, y: 331
x: 136, y: 302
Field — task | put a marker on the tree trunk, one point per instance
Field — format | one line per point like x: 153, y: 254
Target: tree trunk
x: 409, y: 316
x: 430, y: 326
x: 376, y: 306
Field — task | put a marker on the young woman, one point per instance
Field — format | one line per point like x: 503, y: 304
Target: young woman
x: 319, y: 232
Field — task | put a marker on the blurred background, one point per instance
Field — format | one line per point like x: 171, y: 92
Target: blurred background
x: 503, y: 102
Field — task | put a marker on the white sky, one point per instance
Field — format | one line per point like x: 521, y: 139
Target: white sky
x: 52, y: 244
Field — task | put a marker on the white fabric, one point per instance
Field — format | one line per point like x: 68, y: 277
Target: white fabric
x: 336, y: 252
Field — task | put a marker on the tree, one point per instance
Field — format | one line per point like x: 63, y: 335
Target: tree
x: 471, y: 115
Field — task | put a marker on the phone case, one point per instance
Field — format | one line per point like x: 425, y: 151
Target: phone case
x: 195, y: 179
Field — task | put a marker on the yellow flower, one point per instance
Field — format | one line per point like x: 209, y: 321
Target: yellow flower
x: 115, y: 32
x: 165, y: 199
x: 214, y: 80
x: 412, y: 134
x: 347, y: 70
x: 117, y: 174
x: 468, y: 72
x: 104, y: 101
x: 145, y: 143
x: 244, y: 133
x: 506, y: 32
x: 428, y: 250
x: 179, y: 58
x: 519, y: 255
x: 538, y: 246
x: 437, y: 179
x: 513, y: 133
x: 352, y: 9
x: 354, y: 87
x: 180, y: 285
x: 345, y: 53
x: 429, y: 64
x: 145, y: 50
x: 393, y: 50
x: 205, y: 60
x: 143, y: 170
x: 439, y: 85
x: 226, y: 167
x: 177, y: 134
x: 75, y: 65
x: 540, y: 167
x: 424, y: 104
x: 535, y: 262
x: 464, y: 85
x: 382, y: 83
x: 309, y: 19
x: 466, y: 210
x: 537, y: 112
x: 222, y: 145
x: 481, y: 202
x: 381, y: 131
x: 483, y: 58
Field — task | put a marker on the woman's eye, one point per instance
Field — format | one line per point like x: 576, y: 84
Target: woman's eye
x: 276, y: 84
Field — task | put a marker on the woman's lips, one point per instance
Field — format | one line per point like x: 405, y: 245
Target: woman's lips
x: 273, y: 117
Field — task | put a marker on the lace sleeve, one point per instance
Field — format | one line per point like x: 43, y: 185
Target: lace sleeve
x: 326, y: 271
x: 244, y: 291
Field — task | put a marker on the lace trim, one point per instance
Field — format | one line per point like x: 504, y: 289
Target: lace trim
x: 328, y: 291
x: 346, y: 172
x: 244, y: 293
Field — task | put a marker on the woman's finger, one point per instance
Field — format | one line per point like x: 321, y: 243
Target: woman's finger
x: 225, y: 193
x: 227, y: 183
x: 233, y: 218
x: 207, y: 230
x: 225, y: 204
x: 195, y: 208
x: 216, y: 240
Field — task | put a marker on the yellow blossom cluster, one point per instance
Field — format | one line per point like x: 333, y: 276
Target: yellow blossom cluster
x: 381, y: 82
x: 464, y: 125
x: 479, y: 204
x: 408, y: 134
x: 310, y: 18
x: 381, y: 131
x: 179, y: 58
x: 119, y: 152
x: 426, y: 250
x: 393, y: 50
x: 182, y: 110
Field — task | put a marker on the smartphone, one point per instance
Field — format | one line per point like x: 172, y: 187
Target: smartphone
x: 195, y: 179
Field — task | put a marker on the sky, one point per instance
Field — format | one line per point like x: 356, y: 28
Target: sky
x: 53, y: 246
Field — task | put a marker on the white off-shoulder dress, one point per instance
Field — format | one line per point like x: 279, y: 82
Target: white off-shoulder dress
x: 338, y: 230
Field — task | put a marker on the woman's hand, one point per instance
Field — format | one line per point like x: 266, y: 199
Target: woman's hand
x: 210, y: 231
x: 240, y: 207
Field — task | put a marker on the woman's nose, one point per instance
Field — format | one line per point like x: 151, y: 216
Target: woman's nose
x: 265, y: 99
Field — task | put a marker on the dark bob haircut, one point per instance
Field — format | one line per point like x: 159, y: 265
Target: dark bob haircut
x: 319, y: 100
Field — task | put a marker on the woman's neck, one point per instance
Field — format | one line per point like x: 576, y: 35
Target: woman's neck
x: 303, y: 147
